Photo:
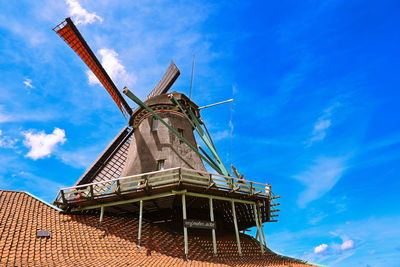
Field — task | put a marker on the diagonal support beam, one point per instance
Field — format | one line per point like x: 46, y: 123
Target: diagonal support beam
x: 256, y: 218
x: 203, y: 135
x: 261, y: 224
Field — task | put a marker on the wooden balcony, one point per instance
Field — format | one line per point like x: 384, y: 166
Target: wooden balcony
x: 85, y: 196
x: 227, y: 203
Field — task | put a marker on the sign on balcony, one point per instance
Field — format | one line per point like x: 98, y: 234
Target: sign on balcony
x: 200, y: 224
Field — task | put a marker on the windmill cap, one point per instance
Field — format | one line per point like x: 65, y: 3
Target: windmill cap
x: 165, y: 99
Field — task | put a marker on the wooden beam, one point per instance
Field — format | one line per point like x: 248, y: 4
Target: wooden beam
x: 185, y: 233
x: 261, y: 225
x: 166, y: 194
x: 214, y: 239
x: 101, y: 214
x: 258, y: 228
x: 140, y: 221
x: 236, y: 228
x: 212, y: 196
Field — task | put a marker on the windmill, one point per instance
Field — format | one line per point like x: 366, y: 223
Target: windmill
x: 155, y: 160
x: 159, y: 134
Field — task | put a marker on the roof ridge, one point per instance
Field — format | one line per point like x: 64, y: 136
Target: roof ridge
x: 41, y: 200
x: 16, y: 191
x: 33, y: 196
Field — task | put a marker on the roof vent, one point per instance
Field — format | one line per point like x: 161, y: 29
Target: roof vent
x: 43, y: 234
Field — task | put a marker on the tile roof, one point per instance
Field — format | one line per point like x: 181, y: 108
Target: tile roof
x: 77, y: 239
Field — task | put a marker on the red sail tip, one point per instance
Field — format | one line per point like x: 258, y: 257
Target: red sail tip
x: 68, y: 32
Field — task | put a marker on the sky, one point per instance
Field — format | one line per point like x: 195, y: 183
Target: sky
x: 315, y: 112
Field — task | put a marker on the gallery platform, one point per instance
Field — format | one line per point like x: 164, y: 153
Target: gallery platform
x: 179, y: 198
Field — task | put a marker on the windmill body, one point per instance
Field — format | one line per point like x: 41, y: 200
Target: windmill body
x: 154, y: 146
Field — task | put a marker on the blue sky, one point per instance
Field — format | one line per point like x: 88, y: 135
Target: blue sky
x: 316, y: 110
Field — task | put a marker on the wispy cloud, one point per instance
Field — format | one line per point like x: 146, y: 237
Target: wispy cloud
x: 7, y: 141
x: 320, y: 128
x: 81, y: 15
x: 366, y: 235
x: 81, y: 157
x: 25, y: 32
x: 28, y: 83
x: 220, y: 135
x: 322, y: 125
x: 320, y: 177
x: 41, y: 144
x: 27, y: 116
x: 114, y: 68
x: 26, y: 181
x: 4, y: 117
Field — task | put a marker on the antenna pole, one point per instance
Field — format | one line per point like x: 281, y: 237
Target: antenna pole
x: 231, y: 126
x: 191, y: 80
x: 219, y: 103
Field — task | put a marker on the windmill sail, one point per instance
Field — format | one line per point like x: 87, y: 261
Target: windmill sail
x: 110, y: 163
x: 70, y: 34
x: 166, y: 81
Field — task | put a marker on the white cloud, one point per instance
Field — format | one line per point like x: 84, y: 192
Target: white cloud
x: 114, y: 68
x: 41, y: 144
x: 321, y: 248
x: 81, y: 15
x: 28, y: 83
x: 320, y: 128
x: 348, y: 244
x: 319, y: 178
x: 322, y: 125
x: 6, y: 141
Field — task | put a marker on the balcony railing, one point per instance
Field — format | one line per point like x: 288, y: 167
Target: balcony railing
x: 160, y: 179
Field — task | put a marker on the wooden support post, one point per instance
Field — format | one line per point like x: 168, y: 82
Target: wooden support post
x: 261, y: 225
x: 214, y: 239
x: 185, y: 233
x: 101, y: 214
x: 180, y: 176
x: 118, y: 191
x: 63, y: 197
x: 236, y: 228
x: 258, y: 227
x: 91, y: 191
x: 140, y: 222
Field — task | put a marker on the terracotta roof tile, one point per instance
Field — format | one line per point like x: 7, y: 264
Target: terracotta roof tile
x: 77, y: 239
